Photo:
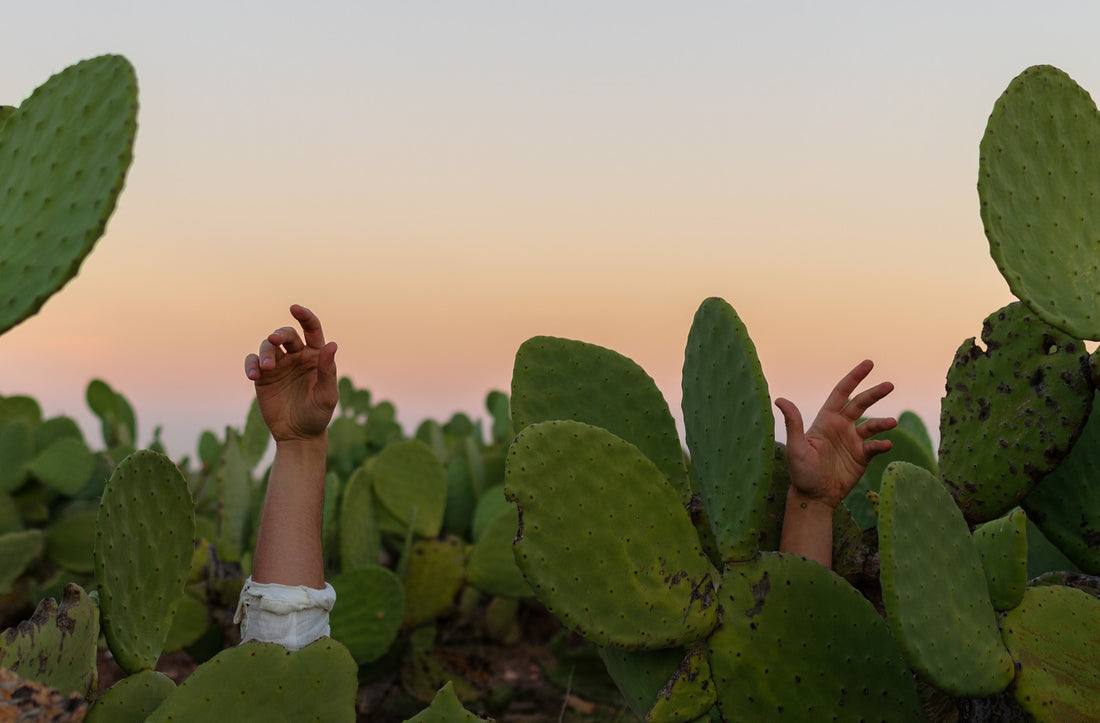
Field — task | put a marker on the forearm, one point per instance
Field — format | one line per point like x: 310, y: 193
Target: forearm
x: 807, y: 528
x: 288, y: 546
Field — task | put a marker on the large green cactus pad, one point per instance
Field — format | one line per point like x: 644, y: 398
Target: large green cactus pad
x: 935, y: 593
x: 1038, y: 170
x: 409, y: 480
x: 1011, y: 412
x: 360, y: 538
x: 132, y: 699
x: 1054, y: 636
x: 604, y: 540
x: 143, y: 548
x: 1002, y: 544
x: 797, y: 642
x: 730, y: 427
x: 264, y: 681
x: 563, y: 379
x: 63, y: 159
x: 905, y: 447
x: 1066, y: 504
x: 57, y: 645
x: 368, y: 616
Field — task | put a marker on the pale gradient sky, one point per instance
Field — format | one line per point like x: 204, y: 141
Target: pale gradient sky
x: 441, y: 181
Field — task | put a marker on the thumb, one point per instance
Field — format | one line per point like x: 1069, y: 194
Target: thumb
x: 792, y: 419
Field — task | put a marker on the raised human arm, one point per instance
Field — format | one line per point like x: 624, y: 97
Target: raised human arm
x: 295, y: 380
x: 827, y: 460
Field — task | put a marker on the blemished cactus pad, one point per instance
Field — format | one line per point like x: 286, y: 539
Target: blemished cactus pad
x: 1066, y: 504
x: 797, y: 642
x: 1039, y: 168
x: 562, y: 379
x: 407, y: 475
x: 643, y: 675
x: 132, y: 699
x: 64, y: 154
x: 1054, y: 637
x: 1002, y: 545
x: 934, y: 589
x: 604, y: 541
x: 1011, y: 411
x: 144, y: 544
x: 57, y: 645
x: 264, y: 681
x: 371, y: 606
x: 729, y: 426
x: 689, y: 693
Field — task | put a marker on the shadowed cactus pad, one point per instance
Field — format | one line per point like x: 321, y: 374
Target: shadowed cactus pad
x: 1054, y: 636
x: 797, y: 642
x: 1039, y: 169
x: 64, y: 154
x: 368, y: 618
x: 143, y: 549
x: 57, y: 646
x: 934, y: 589
x: 604, y: 540
x: 730, y: 427
x: 446, y: 708
x: 132, y: 699
x: 1011, y: 412
x: 561, y: 379
x: 1002, y: 544
x: 264, y: 681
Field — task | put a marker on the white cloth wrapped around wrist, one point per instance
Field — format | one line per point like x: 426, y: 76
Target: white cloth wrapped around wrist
x: 291, y: 615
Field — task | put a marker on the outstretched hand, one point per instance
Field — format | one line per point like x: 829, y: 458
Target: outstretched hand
x: 827, y: 460
x: 295, y: 379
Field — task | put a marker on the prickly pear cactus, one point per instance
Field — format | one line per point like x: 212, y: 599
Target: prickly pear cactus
x: 1039, y: 168
x: 491, y: 566
x: 671, y: 685
x: 1012, y: 411
x: 798, y: 642
x: 143, y: 548
x: 934, y: 589
x: 1053, y: 637
x: 730, y: 427
x: 57, y: 646
x: 17, y: 551
x: 434, y: 573
x: 570, y: 380
x: 64, y: 154
x: 368, y: 618
x: 1066, y: 504
x: 604, y: 541
x: 360, y: 540
x: 446, y: 708
x: 132, y: 699
x: 1002, y: 544
x: 264, y: 681
x: 410, y: 482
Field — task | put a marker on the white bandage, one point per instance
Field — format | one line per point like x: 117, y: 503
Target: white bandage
x: 291, y: 615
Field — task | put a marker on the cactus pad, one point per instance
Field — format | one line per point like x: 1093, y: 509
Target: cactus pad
x: 57, y: 646
x: 689, y: 693
x: 407, y: 475
x: 63, y: 159
x: 641, y: 675
x: 1038, y: 168
x: 730, y: 427
x: 17, y: 551
x: 264, y: 681
x: 933, y: 587
x: 143, y: 548
x: 491, y: 566
x: 797, y: 642
x: 563, y: 379
x: 434, y: 573
x: 132, y: 699
x: 360, y: 540
x: 1066, y: 504
x: 368, y: 616
x: 1002, y: 544
x: 1011, y: 412
x: 446, y: 708
x: 604, y: 541
x: 1053, y: 636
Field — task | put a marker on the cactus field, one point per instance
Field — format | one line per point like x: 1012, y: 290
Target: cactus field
x: 562, y: 555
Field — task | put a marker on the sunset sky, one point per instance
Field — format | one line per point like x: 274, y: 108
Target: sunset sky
x: 440, y: 181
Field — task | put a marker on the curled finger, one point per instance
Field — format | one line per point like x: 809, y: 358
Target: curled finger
x: 287, y: 337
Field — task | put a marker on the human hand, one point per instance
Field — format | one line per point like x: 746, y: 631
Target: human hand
x: 295, y: 379
x: 827, y: 460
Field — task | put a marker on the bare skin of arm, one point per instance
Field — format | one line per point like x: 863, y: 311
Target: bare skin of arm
x: 827, y: 460
x: 295, y: 379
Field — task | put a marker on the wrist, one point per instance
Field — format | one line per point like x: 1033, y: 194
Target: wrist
x: 800, y: 502
x: 310, y: 446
